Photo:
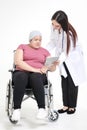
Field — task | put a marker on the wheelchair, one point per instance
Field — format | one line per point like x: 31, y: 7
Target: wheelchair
x: 52, y: 114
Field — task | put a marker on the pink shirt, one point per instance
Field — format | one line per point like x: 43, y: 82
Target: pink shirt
x: 34, y: 57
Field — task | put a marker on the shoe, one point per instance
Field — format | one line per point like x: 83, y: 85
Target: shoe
x: 42, y: 114
x: 71, y: 111
x: 62, y: 111
x: 16, y: 115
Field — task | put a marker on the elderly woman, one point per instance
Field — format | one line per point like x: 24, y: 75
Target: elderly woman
x: 30, y: 71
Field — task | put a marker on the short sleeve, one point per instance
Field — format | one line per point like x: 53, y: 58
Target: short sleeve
x: 20, y: 46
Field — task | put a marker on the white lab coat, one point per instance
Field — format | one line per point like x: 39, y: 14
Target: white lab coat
x: 74, y: 60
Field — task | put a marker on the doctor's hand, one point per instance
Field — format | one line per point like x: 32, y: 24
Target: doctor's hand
x: 52, y: 67
x: 56, y: 63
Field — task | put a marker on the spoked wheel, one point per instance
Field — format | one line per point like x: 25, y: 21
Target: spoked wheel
x: 53, y: 115
x: 8, y: 98
x: 9, y: 101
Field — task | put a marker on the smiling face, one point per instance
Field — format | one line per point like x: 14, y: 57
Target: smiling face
x: 36, y: 42
x: 56, y: 25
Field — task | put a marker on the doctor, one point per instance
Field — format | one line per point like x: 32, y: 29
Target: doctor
x: 65, y: 41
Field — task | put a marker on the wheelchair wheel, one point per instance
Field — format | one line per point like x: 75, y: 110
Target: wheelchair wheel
x: 53, y: 115
x: 9, y: 99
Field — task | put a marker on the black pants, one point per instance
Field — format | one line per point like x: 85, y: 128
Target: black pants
x: 23, y: 79
x: 69, y: 90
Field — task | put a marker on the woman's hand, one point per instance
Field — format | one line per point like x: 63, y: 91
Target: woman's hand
x: 44, y: 69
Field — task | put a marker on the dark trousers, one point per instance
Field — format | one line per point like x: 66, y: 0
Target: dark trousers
x: 23, y: 79
x: 69, y: 90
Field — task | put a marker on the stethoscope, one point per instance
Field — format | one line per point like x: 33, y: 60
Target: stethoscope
x: 62, y: 39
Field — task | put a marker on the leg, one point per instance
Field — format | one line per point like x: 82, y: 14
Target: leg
x: 64, y: 91
x: 20, y: 80
x: 37, y: 81
x: 64, y: 86
x: 72, y: 92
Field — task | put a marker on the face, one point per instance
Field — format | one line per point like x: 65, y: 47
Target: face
x: 36, y: 42
x: 56, y: 25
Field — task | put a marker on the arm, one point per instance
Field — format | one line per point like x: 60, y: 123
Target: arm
x: 18, y: 60
x: 52, y: 43
x: 51, y: 68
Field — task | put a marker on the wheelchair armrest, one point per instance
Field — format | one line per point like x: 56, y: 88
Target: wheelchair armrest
x: 11, y: 70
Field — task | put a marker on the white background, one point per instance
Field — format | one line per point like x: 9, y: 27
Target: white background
x: 18, y: 18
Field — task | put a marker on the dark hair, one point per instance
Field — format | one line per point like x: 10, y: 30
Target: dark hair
x: 62, y: 19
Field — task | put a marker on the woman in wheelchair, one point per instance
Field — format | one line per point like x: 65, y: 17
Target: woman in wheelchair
x: 30, y: 70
